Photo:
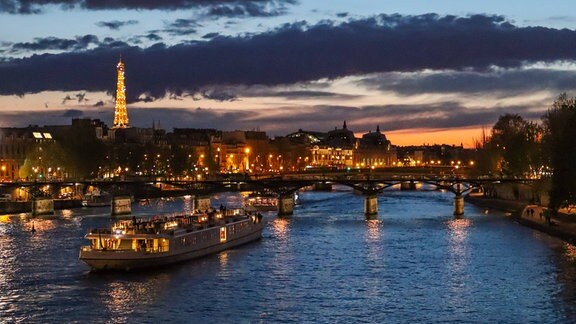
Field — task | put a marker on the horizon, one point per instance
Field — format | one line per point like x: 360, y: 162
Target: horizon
x: 423, y: 73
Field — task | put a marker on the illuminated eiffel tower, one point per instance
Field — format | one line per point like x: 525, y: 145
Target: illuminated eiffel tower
x: 120, y: 113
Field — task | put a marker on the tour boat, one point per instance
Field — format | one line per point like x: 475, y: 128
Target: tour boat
x: 161, y: 240
x: 261, y: 202
x: 97, y: 199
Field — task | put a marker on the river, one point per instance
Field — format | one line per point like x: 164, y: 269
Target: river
x: 324, y: 264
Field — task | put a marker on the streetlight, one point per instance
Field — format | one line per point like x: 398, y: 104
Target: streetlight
x: 218, y: 159
x: 247, y: 151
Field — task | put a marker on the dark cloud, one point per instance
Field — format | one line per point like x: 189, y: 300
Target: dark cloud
x: 507, y: 82
x: 139, y: 117
x: 66, y: 99
x: 310, y: 94
x: 72, y: 113
x: 116, y: 24
x: 44, y: 117
x: 54, y: 43
x: 284, y: 120
x: 388, y: 117
x: 296, y: 53
x: 210, y: 35
x: 36, y: 6
x: 253, y: 9
x: 181, y: 27
x: 153, y: 37
x: 100, y: 103
x: 81, y: 97
x: 218, y: 95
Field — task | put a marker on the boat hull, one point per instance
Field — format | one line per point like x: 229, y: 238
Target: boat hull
x: 130, y: 260
x: 261, y: 208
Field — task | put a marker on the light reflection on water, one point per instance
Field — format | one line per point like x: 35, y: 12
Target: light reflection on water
x: 458, y: 263
x: 326, y: 263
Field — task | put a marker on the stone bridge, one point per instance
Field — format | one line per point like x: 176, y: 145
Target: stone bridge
x: 369, y: 184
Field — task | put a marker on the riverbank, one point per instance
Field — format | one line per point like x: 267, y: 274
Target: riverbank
x: 563, y: 226
x: 17, y: 207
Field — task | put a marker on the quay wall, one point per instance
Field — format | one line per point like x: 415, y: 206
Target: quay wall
x: 67, y: 203
x: 514, y: 199
x: 16, y: 207
x: 518, y: 192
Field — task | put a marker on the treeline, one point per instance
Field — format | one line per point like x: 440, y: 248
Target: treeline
x: 520, y: 148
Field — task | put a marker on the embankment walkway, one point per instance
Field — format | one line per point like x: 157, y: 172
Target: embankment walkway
x: 562, y: 226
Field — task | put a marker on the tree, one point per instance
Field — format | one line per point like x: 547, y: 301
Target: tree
x: 85, y: 153
x: 180, y: 162
x: 487, y: 157
x: 46, y: 160
x: 517, y: 141
x: 560, y: 150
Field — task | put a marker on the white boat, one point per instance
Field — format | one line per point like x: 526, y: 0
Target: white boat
x: 97, y: 199
x: 161, y: 240
x: 261, y: 202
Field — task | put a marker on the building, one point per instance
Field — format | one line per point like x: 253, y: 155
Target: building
x: 201, y: 147
x: 374, y: 150
x: 336, y: 149
x: 435, y: 155
x: 24, y: 154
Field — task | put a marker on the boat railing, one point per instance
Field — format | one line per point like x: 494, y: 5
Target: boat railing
x: 89, y: 248
x: 100, y: 231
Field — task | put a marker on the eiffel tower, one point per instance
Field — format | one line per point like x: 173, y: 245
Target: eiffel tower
x: 120, y: 113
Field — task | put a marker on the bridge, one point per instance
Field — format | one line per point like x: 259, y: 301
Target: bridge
x: 368, y: 184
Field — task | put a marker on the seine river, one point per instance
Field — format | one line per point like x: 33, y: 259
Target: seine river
x: 325, y: 264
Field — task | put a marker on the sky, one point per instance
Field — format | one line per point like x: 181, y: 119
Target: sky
x: 424, y: 72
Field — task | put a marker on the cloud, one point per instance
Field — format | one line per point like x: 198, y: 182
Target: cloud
x: 153, y: 37
x: 506, y: 82
x: 442, y: 115
x: 252, y: 9
x: 116, y: 24
x: 181, y: 27
x: 36, y: 6
x: 279, y: 121
x: 218, y: 95
x: 72, y: 113
x: 310, y: 94
x: 210, y: 35
x: 54, y: 43
x: 296, y: 53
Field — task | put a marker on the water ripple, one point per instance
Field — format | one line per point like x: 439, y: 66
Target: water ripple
x: 325, y: 264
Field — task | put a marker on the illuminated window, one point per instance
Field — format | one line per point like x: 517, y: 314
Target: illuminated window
x: 222, y: 234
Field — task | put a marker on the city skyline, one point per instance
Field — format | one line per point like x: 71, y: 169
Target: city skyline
x: 423, y: 73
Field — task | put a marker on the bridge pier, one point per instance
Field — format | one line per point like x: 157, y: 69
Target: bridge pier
x: 121, y: 205
x: 458, y: 205
x: 371, y: 205
x: 286, y: 205
x: 42, y: 207
x: 408, y: 185
x: 322, y: 186
x: 202, y: 202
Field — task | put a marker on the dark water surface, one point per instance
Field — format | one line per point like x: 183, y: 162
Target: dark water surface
x: 325, y: 264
